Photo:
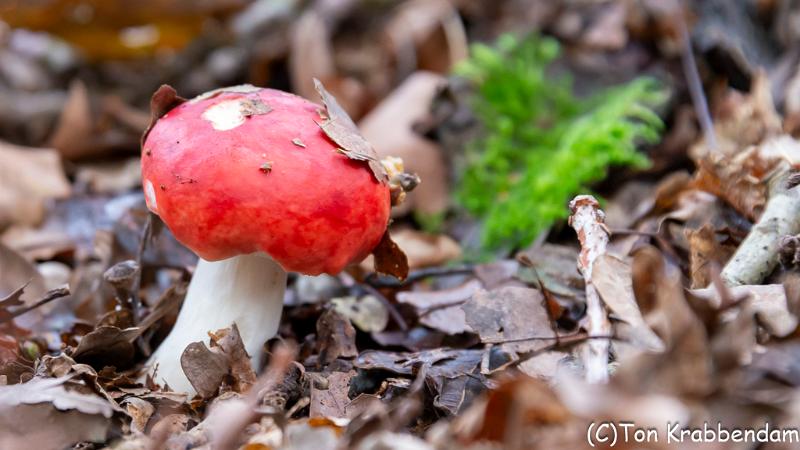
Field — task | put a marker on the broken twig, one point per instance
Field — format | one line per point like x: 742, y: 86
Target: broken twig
x: 588, y: 219
x: 757, y: 255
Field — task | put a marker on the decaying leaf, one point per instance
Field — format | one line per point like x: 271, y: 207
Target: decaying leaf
x: 612, y: 278
x: 28, y: 177
x: 337, y: 337
x: 366, y: 312
x: 510, y: 314
x: 341, y: 129
x: 204, y: 368
x: 389, y: 258
x: 441, y: 310
x: 389, y: 127
x: 331, y: 401
x: 44, y: 414
x: 225, y: 360
x: 767, y: 301
x: 230, y: 342
x: 107, y: 346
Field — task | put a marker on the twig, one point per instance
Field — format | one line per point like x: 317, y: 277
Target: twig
x: 588, y: 221
x: 757, y: 255
x: 379, y: 281
x: 49, y: 296
x: 696, y: 87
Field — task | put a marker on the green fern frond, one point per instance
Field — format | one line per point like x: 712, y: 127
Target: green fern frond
x: 541, y: 144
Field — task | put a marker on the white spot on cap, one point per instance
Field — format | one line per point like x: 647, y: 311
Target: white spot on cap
x: 225, y: 115
x: 150, y: 195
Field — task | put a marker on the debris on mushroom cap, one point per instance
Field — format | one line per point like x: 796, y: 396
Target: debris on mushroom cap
x: 341, y: 129
x: 316, y: 211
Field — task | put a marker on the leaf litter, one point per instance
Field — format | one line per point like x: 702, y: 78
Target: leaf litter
x: 450, y: 351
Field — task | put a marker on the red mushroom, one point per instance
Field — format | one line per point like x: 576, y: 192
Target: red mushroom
x: 250, y: 181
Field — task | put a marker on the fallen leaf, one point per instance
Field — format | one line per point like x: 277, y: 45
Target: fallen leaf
x: 331, y: 401
x: 612, y: 278
x: 28, y: 178
x: 441, y: 310
x: 341, y: 129
x: 768, y: 302
x: 107, y: 346
x: 440, y: 362
x: 389, y: 127
x: 140, y: 412
x: 389, y: 258
x: 510, y: 314
x: 336, y: 337
x: 366, y: 312
x: 204, y: 368
x: 426, y: 249
x: 241, y: 369
x: 75, y: 131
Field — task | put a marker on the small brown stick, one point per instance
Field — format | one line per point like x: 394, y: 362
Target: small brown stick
x: 49, y: 296
x: 588, y: 219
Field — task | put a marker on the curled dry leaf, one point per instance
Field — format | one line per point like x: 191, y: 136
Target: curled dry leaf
x: 107, y: 346
x: 341, y: 129
x: 336, y: 337
x: 389, y: 259
x: 44, y: 414
x: 204, y: 368
x: 28, y: 177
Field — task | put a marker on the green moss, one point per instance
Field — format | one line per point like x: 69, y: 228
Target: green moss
x: 540, y: 143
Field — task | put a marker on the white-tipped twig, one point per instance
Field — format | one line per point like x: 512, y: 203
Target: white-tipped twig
x: 588, y: 221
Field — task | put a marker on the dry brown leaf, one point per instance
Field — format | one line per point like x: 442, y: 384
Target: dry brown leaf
x: 441, y: 310
x: 110, y: 177
x: 510, y: 314
x: 389, y: 128
x: 427, y: 34
x: 768, y: 302
x: 366, y: 312
x: 389, y: 258
x: 310, y: 54
x: 75, y: 131
x: 336, y: 337
x: 331, y: 401
x: 28, y: 177
x: 43, y: 414
x: 705, y: 250
x: 204, y: 368
x: 341, y: 129
x: 107, y: 346
x: 229, y: 340
x: 612, y: 278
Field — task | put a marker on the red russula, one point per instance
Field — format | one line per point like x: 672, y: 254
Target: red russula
x: 247, y: 179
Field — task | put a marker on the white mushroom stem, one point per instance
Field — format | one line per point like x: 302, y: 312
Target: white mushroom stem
x: 588, y: 220
x: 246, y: 290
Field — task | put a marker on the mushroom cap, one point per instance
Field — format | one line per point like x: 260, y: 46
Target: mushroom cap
x: 248, y: 170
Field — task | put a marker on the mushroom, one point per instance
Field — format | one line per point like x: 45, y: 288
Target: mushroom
x: 256, y: 185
